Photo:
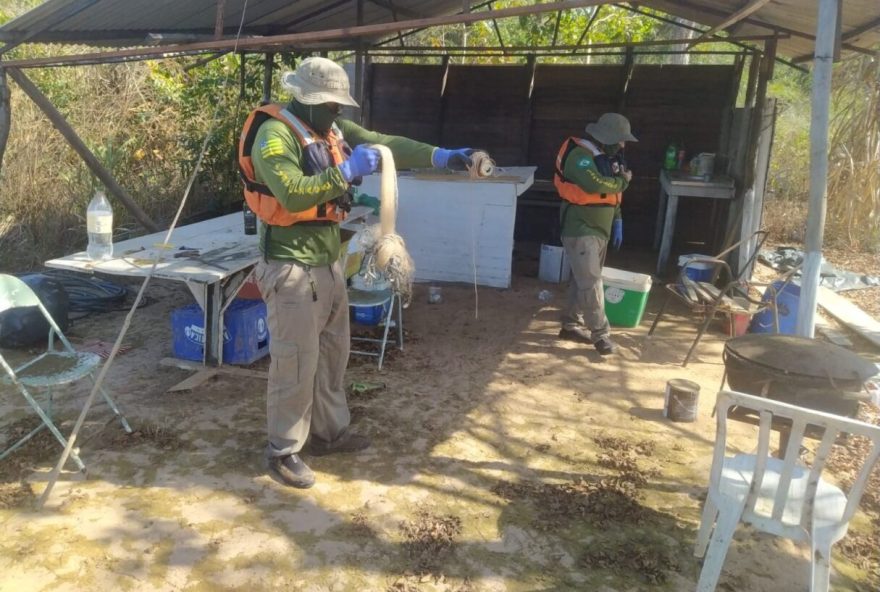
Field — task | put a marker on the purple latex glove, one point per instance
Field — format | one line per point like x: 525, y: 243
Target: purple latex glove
x: 363, y: 161
x: 617, y: 233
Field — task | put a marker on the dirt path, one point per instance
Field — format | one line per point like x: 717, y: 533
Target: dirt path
x: 503, y: 459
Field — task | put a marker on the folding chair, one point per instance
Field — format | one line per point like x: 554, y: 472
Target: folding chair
x: 387, y: 298
x: 739, y: 296
x: 50, y: 369
x: 782, y: 497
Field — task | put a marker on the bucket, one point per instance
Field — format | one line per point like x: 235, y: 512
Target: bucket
x: 705, y: 165
x: 682, y: 397
x: 787, y: 302
x: 698, y: 272
x: 553, y: 266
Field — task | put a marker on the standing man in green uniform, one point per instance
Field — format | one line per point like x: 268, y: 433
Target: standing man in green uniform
x: 298, y: 167
x: 591, y: 177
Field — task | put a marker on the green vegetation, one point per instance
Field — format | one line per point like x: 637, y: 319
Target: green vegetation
x: 147, y: 122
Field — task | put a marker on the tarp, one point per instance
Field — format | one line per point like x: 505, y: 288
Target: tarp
x: 784, y: 258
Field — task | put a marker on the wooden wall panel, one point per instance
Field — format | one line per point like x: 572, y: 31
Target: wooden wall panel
x: 405, y: 100
x: 489, y: 107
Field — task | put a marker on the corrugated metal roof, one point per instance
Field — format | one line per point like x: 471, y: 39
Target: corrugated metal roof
x: 133, y: 22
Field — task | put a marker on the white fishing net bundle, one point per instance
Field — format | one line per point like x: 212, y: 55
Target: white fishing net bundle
x: 386, y: 251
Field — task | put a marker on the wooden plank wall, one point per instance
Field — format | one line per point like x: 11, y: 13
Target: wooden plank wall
x: 490, y: 107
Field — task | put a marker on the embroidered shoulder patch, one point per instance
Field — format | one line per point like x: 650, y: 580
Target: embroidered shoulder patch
x: 585, y: 162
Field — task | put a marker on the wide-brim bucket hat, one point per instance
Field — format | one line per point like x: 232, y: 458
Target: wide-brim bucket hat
x: 611, y: 129
x: 319, y: 80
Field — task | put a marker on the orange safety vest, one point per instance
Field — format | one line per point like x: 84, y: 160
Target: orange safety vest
x: 258, y: 195
x: 573, y: 193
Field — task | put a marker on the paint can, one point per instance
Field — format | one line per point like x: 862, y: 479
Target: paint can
x: 682, y: 397
x: 435, y: 295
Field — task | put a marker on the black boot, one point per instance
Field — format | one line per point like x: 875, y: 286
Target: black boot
x: 292, y: 471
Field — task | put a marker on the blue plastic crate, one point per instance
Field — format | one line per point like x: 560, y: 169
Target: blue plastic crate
x: 245, y: 334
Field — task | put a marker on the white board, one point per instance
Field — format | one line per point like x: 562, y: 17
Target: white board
x: 457, y: 228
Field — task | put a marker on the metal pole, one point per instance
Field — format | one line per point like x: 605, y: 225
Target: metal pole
x: 821, y: 102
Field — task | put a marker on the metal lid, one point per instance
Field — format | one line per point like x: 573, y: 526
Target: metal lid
x: 792, y: 354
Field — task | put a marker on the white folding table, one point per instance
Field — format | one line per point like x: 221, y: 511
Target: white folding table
x: 226, y: 257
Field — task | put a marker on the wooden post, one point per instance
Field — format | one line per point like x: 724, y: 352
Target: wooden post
x: 267, y: 77
x: 220, y: 17
x: 530, y: 67
x: 77, y: 144
x: 629, y: 64
x: 826, y: 33
x: 5, y: 113
x: 359, y: 62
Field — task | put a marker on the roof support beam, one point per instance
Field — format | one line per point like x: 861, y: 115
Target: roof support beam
x: 760, y: 23
x: 749, y: 9
x: 827, y: 27
x: 589, y: 25
x: 91, y: 161
x: 59, y: 17
x: 294, y: 39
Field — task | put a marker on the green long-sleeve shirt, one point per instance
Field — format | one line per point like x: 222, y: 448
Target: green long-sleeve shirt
x: 580, y: 168
x: 277, y: 158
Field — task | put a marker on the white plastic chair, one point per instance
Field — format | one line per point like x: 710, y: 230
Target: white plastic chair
x: 782, y: 497
x: 388, y: 298
x: 50, y: 369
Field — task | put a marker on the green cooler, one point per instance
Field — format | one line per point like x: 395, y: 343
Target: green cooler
x: 626, y: 294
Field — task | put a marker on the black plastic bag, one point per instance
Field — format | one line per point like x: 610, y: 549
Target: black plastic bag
x: 27, y: 326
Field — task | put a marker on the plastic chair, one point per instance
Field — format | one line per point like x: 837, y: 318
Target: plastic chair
x: 782, y: 497
x: 50, y: 369
x: 388, y: 298
x: 739, y: 296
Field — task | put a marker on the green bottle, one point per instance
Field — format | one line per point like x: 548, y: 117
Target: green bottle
x: 670, y: 161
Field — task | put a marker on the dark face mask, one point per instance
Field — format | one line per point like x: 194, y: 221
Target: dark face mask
x: 321, y: 117
x: 610, y: 149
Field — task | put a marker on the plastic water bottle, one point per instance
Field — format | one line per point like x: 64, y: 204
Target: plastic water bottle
x: 99, y: 222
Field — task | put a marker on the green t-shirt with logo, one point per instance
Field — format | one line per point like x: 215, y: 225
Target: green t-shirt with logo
x: 277, y: 157
x: 580, y: 169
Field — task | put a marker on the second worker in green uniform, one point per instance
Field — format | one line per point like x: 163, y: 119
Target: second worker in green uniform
x: 591, y: 177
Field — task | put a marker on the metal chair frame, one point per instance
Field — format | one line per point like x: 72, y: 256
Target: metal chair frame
x: 737, y: 296
x: 69, y: 366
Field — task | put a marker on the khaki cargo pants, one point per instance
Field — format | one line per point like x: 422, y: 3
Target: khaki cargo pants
x: 309, y: 345
x: 586, y: 294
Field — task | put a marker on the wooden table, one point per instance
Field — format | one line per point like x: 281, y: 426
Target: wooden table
x: 226, y: 257
x: 673, y: 185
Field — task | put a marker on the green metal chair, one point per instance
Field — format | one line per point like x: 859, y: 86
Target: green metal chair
x: 51, y: 369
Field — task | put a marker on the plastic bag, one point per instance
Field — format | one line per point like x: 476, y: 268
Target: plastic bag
x: 26, y: 326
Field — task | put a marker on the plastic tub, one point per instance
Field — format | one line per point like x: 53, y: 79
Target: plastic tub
x: 553, y: 265
x: 699, y: 272
x: 787, y: 302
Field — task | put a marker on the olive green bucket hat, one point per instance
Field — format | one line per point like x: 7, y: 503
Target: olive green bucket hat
x: 318, y: 80
x: 611, y: 129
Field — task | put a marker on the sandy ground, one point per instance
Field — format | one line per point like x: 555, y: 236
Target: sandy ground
x: 503, y: 459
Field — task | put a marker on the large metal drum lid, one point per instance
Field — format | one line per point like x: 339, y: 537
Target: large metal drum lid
x: 792, y: 354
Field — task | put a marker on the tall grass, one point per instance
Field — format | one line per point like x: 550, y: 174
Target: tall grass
x: 854, y: 160
x: 144, y: 121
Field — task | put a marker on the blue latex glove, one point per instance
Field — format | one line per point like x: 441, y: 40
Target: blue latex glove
x: 363, y: 161
x: 617, y: 233
x: 454, y: 160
